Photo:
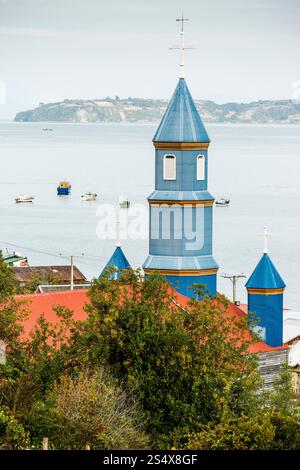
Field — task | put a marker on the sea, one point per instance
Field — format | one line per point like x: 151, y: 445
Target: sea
x: 256, y: 166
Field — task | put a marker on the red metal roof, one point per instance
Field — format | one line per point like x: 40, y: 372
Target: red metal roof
x: 38, y: 304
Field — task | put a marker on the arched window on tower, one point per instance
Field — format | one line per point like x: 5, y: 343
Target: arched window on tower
x: 169, y: 167
x: 200, y: 167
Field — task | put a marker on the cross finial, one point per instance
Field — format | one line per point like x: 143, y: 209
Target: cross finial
x: 182, y: 19
x: 265, y: 235
x: 182, y: 46
x: 118, y: 235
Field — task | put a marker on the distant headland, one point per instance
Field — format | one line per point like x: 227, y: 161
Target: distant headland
x: 139, y: 110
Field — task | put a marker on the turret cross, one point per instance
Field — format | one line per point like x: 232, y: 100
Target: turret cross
x: 182, y: 47
x: 265, y: 235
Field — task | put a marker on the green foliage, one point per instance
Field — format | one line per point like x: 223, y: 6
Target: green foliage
x: 235, y: 433
x: 287, y: 432
x: 188, y: 364
x: 266, y: 431
x: 12, y: 433
x: 140, y: 371
x: 89, y: 410
x: 8, y: 284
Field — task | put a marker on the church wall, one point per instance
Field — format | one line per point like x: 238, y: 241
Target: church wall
x: 269, y: 312
x: 183, y: 284
x: 188, y: 228
x: 186, y: 171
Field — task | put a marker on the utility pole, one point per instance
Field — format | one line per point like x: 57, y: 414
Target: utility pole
x: 234, y: 279
x: 72, y: 273
x: 71, y: 267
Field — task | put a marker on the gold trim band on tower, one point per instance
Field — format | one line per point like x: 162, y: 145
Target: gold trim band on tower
x: 193, y: 202
x: 180, y: 272
x: 266, y: 291
x: 181, y: 145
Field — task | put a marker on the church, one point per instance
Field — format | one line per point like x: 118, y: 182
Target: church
x: 181, y: 243
x: 181, y: 228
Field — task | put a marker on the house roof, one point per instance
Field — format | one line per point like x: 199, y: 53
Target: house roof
x: 61, y: 273
x: 265, y: 275
x: 181, y: 121
x: 39, y: 304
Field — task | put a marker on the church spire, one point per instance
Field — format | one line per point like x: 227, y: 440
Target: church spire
x: 180, y: 207
x: 265, y: 289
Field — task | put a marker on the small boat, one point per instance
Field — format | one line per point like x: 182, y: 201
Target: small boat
x: 124, y: 202
x: 15, y: 260
x: 64, y: 188
x: 89, y: 197
x: 24, y: 198
x: 222, y: 202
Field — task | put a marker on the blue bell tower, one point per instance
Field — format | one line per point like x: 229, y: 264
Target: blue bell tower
x: 265, y: 289
x: 181, y: 208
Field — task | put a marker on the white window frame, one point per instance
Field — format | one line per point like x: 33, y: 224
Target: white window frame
x: 201, y: 169
x: 164, y: 166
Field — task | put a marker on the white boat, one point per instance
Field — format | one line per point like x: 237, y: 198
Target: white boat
x: 222, y: 202
x: 89, y: 197
x: 24, y: 198
x: 124, y: 202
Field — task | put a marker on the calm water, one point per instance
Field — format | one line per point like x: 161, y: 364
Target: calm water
x: 258, y: 167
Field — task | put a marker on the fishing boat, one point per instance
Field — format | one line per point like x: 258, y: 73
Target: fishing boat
x: 24, y: 198
x: 15, y: 260
x: 124, y: 202
x: 222, y: 202
x: 89, y: 197
x: 64, y: 188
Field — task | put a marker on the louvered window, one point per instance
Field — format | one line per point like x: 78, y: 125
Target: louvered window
x: 200, y: 167
x: 169, y: 167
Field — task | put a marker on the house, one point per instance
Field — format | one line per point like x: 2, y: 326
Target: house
x: 48, y: 275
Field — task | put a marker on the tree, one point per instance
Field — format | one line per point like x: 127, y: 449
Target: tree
x: 235, y: 433
x: 12, y: 434
x: 89, y: 410
x: 187, y: 363
x: 8, y: 285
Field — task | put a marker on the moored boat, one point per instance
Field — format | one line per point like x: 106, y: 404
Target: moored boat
x: 89, y: 197
x: 222, y: 202
x: 124, y: 202
x: 64, y: 188
x: 24, y: 198
x: 15, y: 260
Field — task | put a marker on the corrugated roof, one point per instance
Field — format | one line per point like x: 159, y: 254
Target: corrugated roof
x: 265, y: 275
x: 181, y: 121
x: 39, y: 304
x: 61, y: 273
x: 44, y: 304
x: 180, y: 196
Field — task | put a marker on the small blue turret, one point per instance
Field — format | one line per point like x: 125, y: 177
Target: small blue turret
x: 265, y: 301
x: 117, y: 260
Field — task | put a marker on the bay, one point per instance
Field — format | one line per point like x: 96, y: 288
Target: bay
x: 256, y: 166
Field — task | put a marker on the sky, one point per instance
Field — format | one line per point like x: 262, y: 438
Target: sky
x: 50, y: 50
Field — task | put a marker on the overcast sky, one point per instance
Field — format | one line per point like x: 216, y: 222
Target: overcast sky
x: 55, y: 49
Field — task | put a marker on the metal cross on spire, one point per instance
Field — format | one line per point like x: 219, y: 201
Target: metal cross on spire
x: 182, y: 47
x: 182, y: 19
x: 265, y: 235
